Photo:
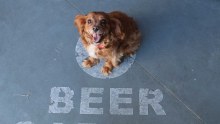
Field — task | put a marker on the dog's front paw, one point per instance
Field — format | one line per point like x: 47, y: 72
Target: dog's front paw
x: 106, y: 70
x: 89, y: 62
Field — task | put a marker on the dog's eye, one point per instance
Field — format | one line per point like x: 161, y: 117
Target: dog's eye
x: 103, y: 22
x: 89, y: 21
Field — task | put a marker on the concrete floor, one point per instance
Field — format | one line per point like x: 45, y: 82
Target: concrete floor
x: 174, y: 79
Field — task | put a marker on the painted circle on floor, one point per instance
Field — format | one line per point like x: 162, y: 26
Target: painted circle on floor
x: 95, y: 71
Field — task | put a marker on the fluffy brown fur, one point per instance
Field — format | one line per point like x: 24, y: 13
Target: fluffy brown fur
x: 108, y: 36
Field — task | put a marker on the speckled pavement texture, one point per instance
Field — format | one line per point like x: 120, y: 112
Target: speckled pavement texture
x: 174, y: 78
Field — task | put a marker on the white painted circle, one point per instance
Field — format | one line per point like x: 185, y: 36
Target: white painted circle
x: 95, y: 71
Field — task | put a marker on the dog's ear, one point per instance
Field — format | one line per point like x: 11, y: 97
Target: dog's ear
x: 79, y: 22
x: 117, y: 28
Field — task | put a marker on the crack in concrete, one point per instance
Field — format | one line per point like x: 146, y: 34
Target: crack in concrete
x: 169, y: 91
x: 27, y: 95
x: 75, y: 7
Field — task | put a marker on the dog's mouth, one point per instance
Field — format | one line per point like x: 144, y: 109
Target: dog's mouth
x: 97, y: 37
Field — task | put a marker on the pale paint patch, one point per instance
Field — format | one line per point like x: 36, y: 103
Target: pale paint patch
x: 55, y: 99
x: 144, y: 101
x: 26, y: 122
x: 115, y: 100
x: 86, y: 100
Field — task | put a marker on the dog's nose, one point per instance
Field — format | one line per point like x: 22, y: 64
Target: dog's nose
x: 95, y: 29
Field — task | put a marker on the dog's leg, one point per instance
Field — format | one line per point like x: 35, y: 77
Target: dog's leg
x: 107, y: 68
x: 89, y: 62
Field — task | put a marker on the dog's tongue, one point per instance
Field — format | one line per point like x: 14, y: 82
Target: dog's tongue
x: 96, y: 37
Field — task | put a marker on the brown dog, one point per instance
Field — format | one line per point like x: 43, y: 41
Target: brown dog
x: 108, y: 36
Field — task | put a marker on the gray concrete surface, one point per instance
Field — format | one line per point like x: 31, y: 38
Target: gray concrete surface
x: 175, y: 74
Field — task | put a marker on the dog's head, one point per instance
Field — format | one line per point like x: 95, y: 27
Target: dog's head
x: 95, y: 26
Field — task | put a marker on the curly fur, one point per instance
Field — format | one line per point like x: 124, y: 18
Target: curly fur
x: 108, y: 36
